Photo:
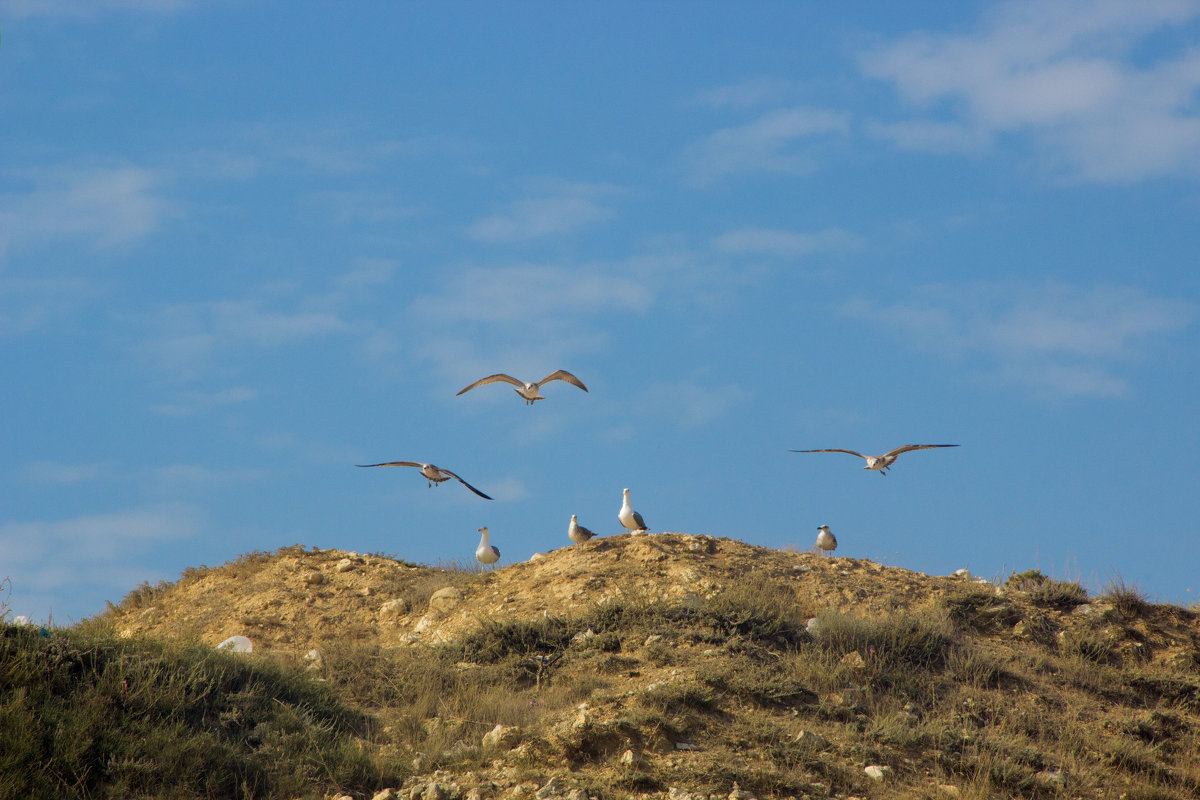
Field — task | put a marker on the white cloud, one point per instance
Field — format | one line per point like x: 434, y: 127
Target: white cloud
x: 556, y: 209
x: 195, y: 402
x: 691, y: 404
x: 769, y: 144
x: 104, y: 206
x: 58, y: 473
x: 1066, y: 74
x: 1056, y: 339
x: 786, y: 244
x: 747, y: 94
x: 29, y: 304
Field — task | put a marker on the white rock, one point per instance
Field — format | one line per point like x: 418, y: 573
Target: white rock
x: 813, y: 625
x: 878, y: 773
x: 445, y: 599
x: 314, y: 579
x: 553, y: 788
x: 315, y: 660
x: 393, y: 608
x: 237, y: 644
x: 627, y: 758
x: 583, y: 636
x: 537, y: 556
x: 502, y: 736
x: 686, y: 746
x: 810, y: 739
x: 384, y: 794
x: 345, y: 565
x: 963, y: 573
x: 21, y: 619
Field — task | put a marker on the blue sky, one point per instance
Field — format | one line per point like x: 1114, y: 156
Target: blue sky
x: 245, y: 246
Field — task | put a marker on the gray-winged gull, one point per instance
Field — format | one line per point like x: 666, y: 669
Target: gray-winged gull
x: 631, y: 519
x: 576, y: 532
x: 433, y: 474
x: 826, y: 541
x: 878, y: 463
x: 530, y: 391
x: 486, y: 553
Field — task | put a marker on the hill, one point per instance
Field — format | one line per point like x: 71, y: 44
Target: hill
x: 674, y: 665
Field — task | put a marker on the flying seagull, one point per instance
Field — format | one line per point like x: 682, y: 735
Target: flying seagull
x: 576, y: 532
x: 432, y: 474
x: 631, y: 519
x: 486, y: 553
x: 878, y: 463
x: 530, y: 391
x: 826, y: 542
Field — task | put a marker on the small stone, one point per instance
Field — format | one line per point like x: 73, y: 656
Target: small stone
x: 314, y: 660
x: 537, y: 556
x: 737, y: 793
x: 686, y: 746
x: 964, y: 574
x: 502, y: 736
x: 627, y: 758
x: 366, y: 591
x: 878, y: 773
x: 435, y: 791
x: 652, y: 638
x: 445, y: 599
x: 393, y: 608
x: 384, y: 794
x: 552, y: 788
x: 854, y: 660
x: 813, y: 625
x: 583, y: 636
x: 237, y: 644
x: 345, y: 565
x: 314, y: 579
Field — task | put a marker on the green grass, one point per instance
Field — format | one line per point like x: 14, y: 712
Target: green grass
x: 104, y: 718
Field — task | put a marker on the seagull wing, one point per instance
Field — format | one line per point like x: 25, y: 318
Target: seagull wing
x: 393, y: 464
x: 641, y: 522
x: 587, y: 534
x: 562, y: 375
x: 464, y: 483
x: 492, y: 379
x: 830, y: 450
x: 906, y: 448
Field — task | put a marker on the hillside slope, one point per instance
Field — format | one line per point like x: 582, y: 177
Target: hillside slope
x: 675, y: 665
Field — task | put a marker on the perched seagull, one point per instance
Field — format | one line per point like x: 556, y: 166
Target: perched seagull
x: 577, y: 533
x: 879, y: 463
x: 631, y: 519
x: 486, y: 553
x: 530, y: 391
x: 432, y: 474
x: 826, y: 542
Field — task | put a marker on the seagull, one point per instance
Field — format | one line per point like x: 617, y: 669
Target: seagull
x: 879, y: 463
x: 631, y: 519
x: 432, y: 473
x: 826, y: 542
x: 530, y: 391
x: 577, y: 533
x: 486, y: 553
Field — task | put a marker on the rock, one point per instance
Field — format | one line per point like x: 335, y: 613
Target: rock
x: 854, y: 660
x: 345, y: 565
x: 813, y: 625
x: 813, y: 740
x: 444, y: 600
x: 627, y: 758
x: 582, y: 636
x: 736, y: 793
x: 504, y: 737
x: 314, y: 579
x: 878, y: 773
x: 314, y: 660
x: 237, y: 644
x: 964, y: 574
x: 553, y: 788
x: 384, y: 794
x: 393, y: 608
x: 537, y: 556
x: 435, y: 791
x: 366, y: 591
x: 652, y: 638
x: 686, y: 746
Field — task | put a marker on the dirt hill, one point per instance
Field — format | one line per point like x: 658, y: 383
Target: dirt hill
x: 675, y: 665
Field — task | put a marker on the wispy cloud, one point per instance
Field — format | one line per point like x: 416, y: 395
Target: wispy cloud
x: 1068, y: 74
x: 59, y: 473
x: 550, y: 210
x: 690, y: 404
x: 1055, y: 339
x: 745, y: 94
x: 102, y: 206
x: 773, y: 143
x: 186, y: 337
x: 786, y: 244
x: 30, y: 304
x: 188, y: 403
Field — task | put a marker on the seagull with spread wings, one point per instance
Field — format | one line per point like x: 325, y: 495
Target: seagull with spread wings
x: 432, y: 473
x: 530, y: 391
x: 878, y: 463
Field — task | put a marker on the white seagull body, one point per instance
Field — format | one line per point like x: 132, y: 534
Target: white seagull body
x: 879, y: 463
x: 576, y: 532
x: 826, y: 542
x: 486, y: 553
x: 530, y: 391
x: 631, y: 519
x: 433, y: 474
